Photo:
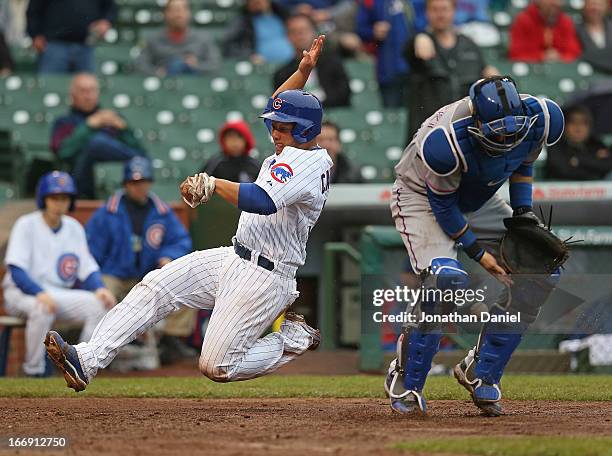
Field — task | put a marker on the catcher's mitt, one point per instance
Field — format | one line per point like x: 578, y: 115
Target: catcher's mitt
x: 529, y: 247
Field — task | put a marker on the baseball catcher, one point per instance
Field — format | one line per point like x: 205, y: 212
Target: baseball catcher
x: 444, y: 198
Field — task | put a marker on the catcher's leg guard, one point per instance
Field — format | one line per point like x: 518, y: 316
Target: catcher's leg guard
x: 419, y: 342
x: 408, y: 372
x: 481, y: 370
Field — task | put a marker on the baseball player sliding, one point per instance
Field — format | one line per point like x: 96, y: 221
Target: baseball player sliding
x: 445, y: 197
x: 247, y: 285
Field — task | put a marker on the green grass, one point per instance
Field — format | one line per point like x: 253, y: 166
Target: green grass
x: 511, y: 446
x: 524, y: 387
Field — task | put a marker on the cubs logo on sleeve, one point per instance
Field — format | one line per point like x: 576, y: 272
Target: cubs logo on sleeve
x: 155, y: 235
x: 68, y: 267
x: 281, y: 172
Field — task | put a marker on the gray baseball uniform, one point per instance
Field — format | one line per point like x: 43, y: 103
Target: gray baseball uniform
x: 414, y: 219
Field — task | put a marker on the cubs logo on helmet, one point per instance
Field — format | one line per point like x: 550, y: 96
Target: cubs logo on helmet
x: 155, y: 235
x: 54, y: 183
x: 281, y: 172
x: 137, y: 169
x: 67, y: 267
x: 298, y: 107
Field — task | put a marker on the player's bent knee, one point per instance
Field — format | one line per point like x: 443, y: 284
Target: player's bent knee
x: 213, y: 371
x: 449, y: 274
x: 40, y: 313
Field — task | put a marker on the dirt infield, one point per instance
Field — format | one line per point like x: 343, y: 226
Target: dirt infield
x: 277, y: 426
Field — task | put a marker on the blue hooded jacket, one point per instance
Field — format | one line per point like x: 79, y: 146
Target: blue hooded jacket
x: 109, y: 235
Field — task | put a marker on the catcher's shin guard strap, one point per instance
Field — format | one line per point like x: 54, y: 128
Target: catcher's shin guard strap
x: 493, y: 354
x: 422, y: 347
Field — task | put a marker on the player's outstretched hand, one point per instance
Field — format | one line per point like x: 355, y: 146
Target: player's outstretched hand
x: 107, y: 298
x: 489, y: 262
x: 310, y: 57
x: 197, y: 189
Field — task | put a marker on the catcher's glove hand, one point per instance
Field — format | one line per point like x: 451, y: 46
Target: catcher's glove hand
x: 197, y: 189
x: 529, y: 247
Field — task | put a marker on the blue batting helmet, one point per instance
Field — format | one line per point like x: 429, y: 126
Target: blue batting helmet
x: 501, y: 123
x: 138, y: 168
x: 299, y: 107
x: 54, y: 183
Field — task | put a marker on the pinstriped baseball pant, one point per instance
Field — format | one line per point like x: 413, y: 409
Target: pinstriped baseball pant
x: 245, y: 299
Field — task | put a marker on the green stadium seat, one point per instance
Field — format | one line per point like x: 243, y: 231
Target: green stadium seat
x: 7, y: 192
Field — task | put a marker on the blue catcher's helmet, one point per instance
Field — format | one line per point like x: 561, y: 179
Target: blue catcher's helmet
x: 54, y: 183
x: 138, y: 168
x: 299, y: 107
x: 501, y: 123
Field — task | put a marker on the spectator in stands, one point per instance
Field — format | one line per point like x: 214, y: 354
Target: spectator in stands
x: 343, y: 171
x: 259, y: 33
x: 579, y: 155
x: 443, y: 63
x: 13, y: 20
x: 89, y: 134
x: 234, y: 161
x: 383, y: 25
x: 334, y: 18
x: 340, y: 27
x: 328, y: 81
x: 178, y: 49
x: 544, y: 33
x: 595, y: 34
x: 135, y: 233
x: 320, y: 11
x: 63, y: 32
x: 47, y: 254
x: 466, y: 11
x: 7, y: 66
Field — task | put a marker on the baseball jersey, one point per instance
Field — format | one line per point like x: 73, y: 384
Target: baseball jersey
x: 51, y: 259
x: 298, y: 182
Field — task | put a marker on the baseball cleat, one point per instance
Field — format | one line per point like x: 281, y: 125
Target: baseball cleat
x: 485, y: 396
x: 404, y: 402
x: 411, y: 404
x: 315, y: 334
x: 65, y: 357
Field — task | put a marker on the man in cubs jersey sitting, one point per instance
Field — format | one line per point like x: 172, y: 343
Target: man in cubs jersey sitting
x: 47, y: 254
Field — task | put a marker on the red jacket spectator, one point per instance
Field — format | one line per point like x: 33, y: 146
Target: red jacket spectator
x: 534, y: 38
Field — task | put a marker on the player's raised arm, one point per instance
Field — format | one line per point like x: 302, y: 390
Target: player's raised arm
x: 309, y: 60
x: 198, y: 189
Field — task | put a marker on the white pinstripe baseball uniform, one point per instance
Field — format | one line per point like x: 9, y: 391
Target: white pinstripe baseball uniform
x: 245, y: 297
x: 54, y: 260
